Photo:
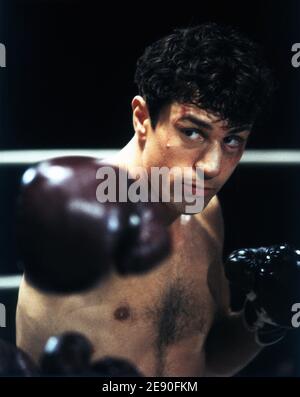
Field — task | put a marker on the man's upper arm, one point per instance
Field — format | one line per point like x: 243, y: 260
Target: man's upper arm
x: 214, y: 222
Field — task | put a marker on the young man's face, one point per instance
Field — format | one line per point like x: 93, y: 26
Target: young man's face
x: 187, y: 136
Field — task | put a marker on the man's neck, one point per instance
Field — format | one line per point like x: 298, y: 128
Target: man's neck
x: 130, y: 157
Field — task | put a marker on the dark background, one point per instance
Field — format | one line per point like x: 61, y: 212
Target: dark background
x: 70, y: 66
x: 69, y: 82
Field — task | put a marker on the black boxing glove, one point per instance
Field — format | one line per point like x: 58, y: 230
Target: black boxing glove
x: 69, y: 240
x: 270, y: 279
x: 15, y: 362
x: 109, y: 367
x: 68, y: 354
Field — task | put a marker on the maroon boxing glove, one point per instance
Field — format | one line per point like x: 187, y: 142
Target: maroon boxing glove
x: 69, y: 240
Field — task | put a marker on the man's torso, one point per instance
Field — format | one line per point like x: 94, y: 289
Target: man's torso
x: 159, y: 321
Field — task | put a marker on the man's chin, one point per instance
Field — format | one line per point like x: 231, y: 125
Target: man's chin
x: 189, y: 208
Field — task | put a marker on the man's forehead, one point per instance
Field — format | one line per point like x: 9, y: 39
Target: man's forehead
x: 181, y: 111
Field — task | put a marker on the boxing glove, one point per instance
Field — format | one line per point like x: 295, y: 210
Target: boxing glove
x: 68, y: 354
x: 69, y: 239
x: 270, y: 279
x: 15, y: 362
x: 114, y: 367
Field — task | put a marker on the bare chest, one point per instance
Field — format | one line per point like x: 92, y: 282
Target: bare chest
x: 156, y: 319
x: 173, y: 302
x: 184, y: 305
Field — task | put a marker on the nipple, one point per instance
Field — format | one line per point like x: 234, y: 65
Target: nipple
x: 122, y: 313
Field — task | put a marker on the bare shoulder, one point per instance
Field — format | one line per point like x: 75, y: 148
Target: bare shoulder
x: 211, y: 217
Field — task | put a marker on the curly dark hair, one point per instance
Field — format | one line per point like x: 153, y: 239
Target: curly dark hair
x: 212, y: 66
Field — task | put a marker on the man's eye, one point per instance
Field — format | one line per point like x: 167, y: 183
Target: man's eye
x: 192, y: 133
x: 234, y: 141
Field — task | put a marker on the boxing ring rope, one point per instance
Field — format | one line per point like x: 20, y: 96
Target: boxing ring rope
x: 10, y: 282
x: 28, y: 157
x: 250, y: 157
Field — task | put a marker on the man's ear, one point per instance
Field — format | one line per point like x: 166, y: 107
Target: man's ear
x: 140, y: 117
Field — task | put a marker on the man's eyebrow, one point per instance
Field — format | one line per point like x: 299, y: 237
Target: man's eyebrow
x: 203, y: 124
x: 200, y: 123
x: 237, y: 130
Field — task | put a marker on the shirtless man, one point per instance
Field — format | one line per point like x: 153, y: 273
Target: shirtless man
x: 200, y: 91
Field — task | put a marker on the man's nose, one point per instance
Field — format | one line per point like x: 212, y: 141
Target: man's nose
x: 210, y: 161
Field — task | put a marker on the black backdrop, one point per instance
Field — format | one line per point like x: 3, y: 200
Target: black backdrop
x: 70, y: 66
